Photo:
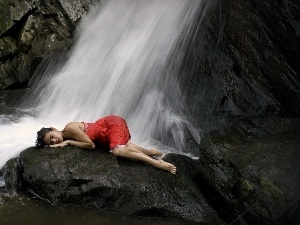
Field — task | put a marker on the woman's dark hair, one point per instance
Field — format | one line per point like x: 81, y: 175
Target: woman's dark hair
x: 40, y: 143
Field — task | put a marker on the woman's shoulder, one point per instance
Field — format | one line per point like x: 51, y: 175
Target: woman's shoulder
x: 74, y: 125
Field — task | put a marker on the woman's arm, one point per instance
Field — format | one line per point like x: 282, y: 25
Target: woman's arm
x: 78, y: 144
x: 77, y: 137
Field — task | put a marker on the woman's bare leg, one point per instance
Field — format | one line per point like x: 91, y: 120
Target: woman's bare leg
x: 132, y: 153
x: 151, y: 152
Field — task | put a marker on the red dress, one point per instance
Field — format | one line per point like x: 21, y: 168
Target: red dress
x: 109, y: 131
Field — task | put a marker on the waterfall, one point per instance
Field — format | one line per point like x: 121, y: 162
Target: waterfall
x: 121, y: 63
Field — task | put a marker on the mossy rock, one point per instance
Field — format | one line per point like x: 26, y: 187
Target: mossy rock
x: 258, y: 174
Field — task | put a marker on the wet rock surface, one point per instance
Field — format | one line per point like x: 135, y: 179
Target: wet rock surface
x: 255, y: 171
x: 242, y: 60
x: 100, y: 180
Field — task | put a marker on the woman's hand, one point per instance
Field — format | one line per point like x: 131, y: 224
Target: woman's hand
x: 62, y: 144
x: 54, y: 129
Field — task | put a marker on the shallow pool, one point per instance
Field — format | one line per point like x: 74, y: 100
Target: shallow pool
x: 24, y: 209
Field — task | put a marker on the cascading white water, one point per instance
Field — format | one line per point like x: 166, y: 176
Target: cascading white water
x: 117, y: 66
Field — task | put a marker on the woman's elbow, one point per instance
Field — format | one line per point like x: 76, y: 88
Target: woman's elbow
x: 91, y: 145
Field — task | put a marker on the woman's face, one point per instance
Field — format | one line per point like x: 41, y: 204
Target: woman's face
x: 53, y: 137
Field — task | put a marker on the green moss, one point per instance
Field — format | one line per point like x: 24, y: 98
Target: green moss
x: 270, y: 189
x: 246, y: 187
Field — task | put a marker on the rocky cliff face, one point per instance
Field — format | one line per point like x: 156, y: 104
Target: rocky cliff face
x: 241, y: 81
x: 29, y: 29
x: 243, y: 60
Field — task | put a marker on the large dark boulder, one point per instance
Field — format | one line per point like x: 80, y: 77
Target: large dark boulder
x: 253, y: 170
x: 100, y: 180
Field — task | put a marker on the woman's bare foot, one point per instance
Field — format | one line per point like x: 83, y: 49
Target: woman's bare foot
x: 167, y: 166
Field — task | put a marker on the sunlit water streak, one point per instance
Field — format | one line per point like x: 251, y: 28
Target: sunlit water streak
x: 119, y: 65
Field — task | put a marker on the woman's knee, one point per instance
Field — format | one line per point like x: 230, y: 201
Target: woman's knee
x: 129, y: 145
x: 117, y: 151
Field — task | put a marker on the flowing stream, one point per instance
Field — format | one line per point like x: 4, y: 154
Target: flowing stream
x: 120, y: 64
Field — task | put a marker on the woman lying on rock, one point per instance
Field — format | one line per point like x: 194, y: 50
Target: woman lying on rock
x: 109, y: 131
